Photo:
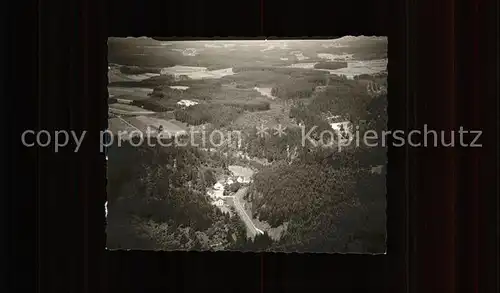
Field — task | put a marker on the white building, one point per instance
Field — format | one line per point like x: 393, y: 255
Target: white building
x: 218, y: 203
x: 242, y: 179
x: 218, y: 186
x: 186, y: 103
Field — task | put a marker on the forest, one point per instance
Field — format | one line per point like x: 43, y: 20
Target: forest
x: 166, y: 208
x: 323, y: 192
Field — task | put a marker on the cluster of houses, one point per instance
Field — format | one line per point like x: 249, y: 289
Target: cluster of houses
x: 239, y: 179
x: 186, y: 103
x: 217, y: 192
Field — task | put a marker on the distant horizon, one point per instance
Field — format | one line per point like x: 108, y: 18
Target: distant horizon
x: 257, y: 39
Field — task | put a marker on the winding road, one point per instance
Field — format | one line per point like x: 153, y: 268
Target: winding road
x: 252, y: 231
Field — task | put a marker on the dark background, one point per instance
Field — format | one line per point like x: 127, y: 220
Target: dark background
x: 442, y: 204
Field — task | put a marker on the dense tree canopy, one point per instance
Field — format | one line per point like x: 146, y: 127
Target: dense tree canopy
x: 167, y: 203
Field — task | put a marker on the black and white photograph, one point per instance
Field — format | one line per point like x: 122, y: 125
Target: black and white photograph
x: 270, y: 145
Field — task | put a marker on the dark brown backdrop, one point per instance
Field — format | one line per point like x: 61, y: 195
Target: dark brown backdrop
x: 442, y: 202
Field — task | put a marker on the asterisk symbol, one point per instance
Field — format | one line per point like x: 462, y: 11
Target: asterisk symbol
x: 261, y: 131
x: 279, y: 130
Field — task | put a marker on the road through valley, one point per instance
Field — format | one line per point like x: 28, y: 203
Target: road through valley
x: 251, y: 229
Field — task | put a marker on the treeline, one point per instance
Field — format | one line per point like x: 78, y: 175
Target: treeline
x: 218, y: 115
x: 164, y: 98
x: 261, y: 242
x: 129, y: 57
x: 152, y: 82
x: 248, y: 105
x: 296, y: 79
x: 154, y: 104
x: 330, y: 65
x: 293, y: 91
x: 128, y: 69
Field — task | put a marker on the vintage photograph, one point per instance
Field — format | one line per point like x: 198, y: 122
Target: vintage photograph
x: 247, y: 145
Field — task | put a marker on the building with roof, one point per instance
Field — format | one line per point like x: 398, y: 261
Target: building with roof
x: 218, y: 203
x: 218, y: 186
x: 242, y: 179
